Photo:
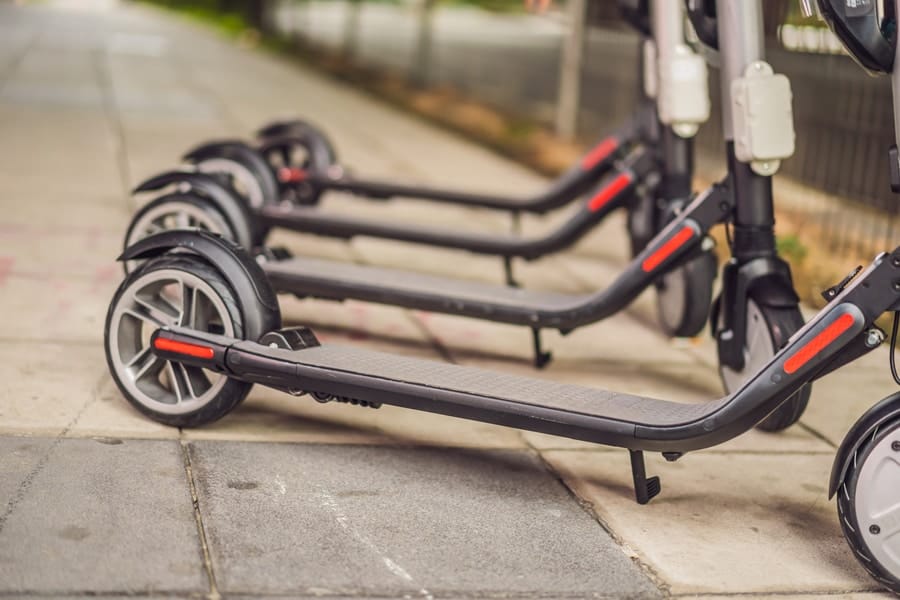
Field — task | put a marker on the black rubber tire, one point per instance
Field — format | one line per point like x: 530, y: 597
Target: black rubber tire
x: 641, y: 222
x: 234, y: 391
x: 319, y: 143
x: 781, y: 323
x: 320, y: 157
x: 846, y: 507
x: 696, y: 279
x: 227, y: 229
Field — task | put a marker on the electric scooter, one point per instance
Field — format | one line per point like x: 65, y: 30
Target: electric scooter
x: 637, y: 157
x: 197, y: 324
x: 753, y: 317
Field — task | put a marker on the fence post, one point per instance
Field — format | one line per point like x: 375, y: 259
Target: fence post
x: 351, y: 28
x: 567, y: 103
x: 422, y: 56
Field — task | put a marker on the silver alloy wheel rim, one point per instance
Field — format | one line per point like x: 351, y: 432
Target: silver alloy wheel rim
x: 243, y: 179
x: 672, y: 297
x: 170, y: 215
x: 758, y: 349
x: 167, y: 297
x: 877, y: 502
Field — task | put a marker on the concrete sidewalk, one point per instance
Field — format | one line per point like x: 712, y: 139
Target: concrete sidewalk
x: 286, y: 497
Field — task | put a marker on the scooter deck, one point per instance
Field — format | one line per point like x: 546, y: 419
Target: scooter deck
x: 335, y: 280
x: 382, y: 370
x: 335, y: 371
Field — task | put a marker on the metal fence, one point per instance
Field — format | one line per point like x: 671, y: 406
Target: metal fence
x: 843, y: 117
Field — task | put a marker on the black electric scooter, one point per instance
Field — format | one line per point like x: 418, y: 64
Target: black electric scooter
x: 190, y: 331
x: 759, y: 309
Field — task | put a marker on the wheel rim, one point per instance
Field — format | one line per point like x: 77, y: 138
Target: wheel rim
x: 243, y: 180
x: 758, y: 349
x: 877, y: 502
x: 171, y: 215
x: 288, y: 155
x: 167, y: 297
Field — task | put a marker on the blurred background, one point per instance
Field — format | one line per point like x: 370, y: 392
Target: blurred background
x: 535, y: 85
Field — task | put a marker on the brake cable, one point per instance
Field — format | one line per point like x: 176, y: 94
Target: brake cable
x: 892, y: 349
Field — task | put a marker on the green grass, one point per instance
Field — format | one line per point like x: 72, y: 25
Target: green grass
x: 206, y: 11
x: 791, y: 248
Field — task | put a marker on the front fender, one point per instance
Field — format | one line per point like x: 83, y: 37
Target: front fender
x: 242, y: 273
x: 283, y: 127
x: 243, y: 154
x: 886, y: 410
x: 235, y: 211
x: 770, y: 283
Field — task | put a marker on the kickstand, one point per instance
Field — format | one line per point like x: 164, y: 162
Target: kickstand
x: 508, y: 270
x: 541, y: 358
x: 644, y: 489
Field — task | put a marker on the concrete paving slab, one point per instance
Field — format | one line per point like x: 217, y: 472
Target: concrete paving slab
x: 725, y: 523
x: 110, y: 415
x: 45, y: 387
x: 50, y: 307
x: 50, y: 253
x: 613, y: 341
x: 301, y: 519
x: 841, y: 398
x: 81, y: 521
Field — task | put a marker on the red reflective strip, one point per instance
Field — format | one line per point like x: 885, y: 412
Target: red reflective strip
x: 599, y: 153
x: 665, y: 251
x: 167, y: 345
x: 291, y: 175
x: 609, y: 192
x: 818, y: 343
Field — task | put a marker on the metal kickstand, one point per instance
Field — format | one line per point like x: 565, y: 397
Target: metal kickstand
x: 644, y: 489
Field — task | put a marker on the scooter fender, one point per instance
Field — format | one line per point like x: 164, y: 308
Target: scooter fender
x: 886, y: 410
x: 243, y: 154
x: 283, y: 127
x: 232, y: 208
x: 242, y: 273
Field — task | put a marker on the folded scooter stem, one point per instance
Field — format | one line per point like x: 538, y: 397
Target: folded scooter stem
x: 741, y: 43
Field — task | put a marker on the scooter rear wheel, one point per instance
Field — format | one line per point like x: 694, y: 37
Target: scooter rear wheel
x: 868, y: 505
x: 684, y: 296
x: 768, y: 330
x: 303, y: 147
x: 309, y: 148
x: 172, y: 290
x: 182, y: 211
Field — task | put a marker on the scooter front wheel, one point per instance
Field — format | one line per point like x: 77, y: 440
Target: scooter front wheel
x: 768, y: 329
x: 868, y: 505
x: 684, y: 296
x: 172, y: 290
